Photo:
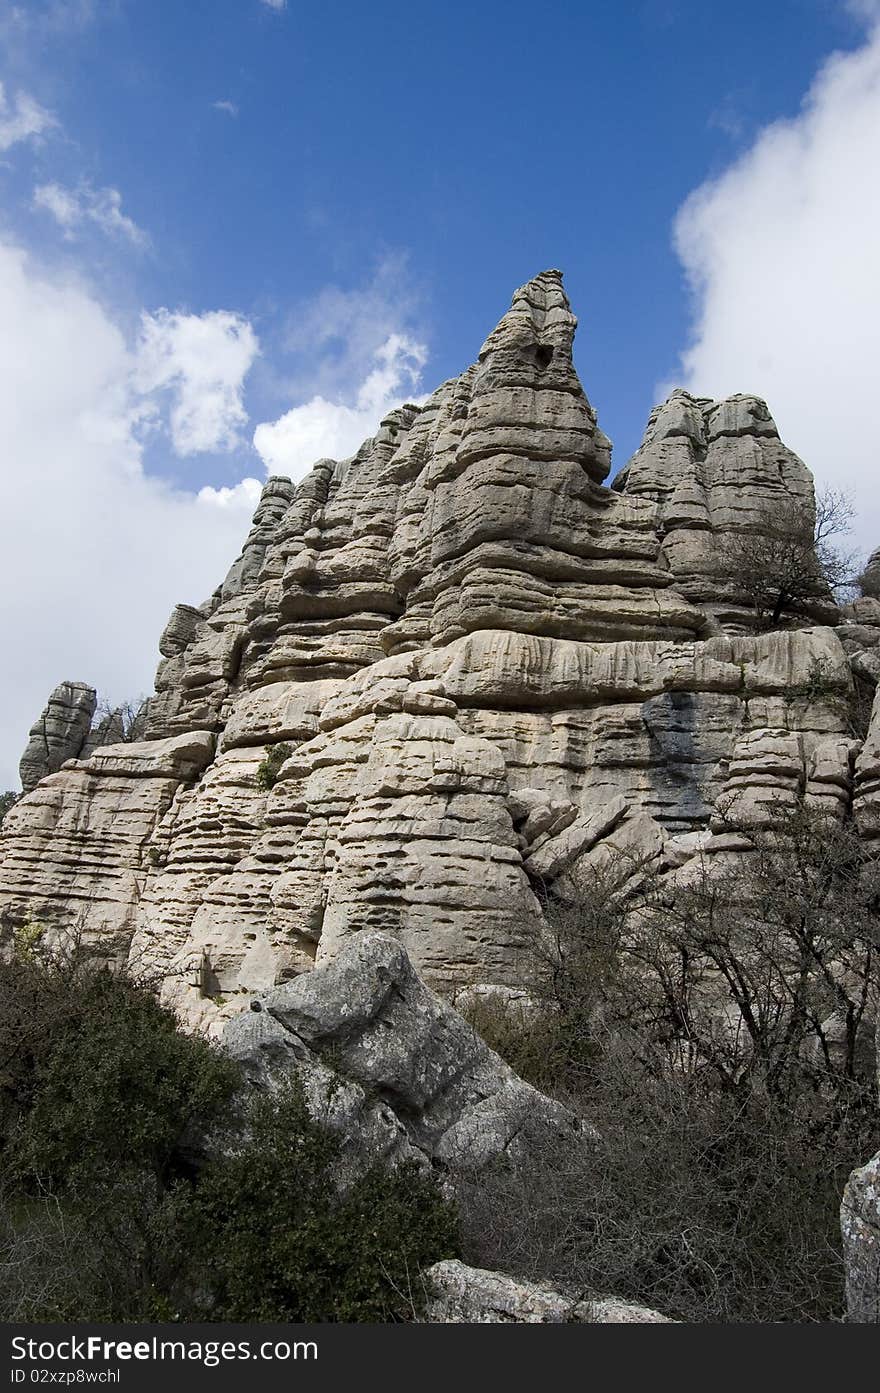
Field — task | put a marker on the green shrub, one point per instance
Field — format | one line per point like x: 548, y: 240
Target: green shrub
x: 112, y: 1208
x: 269, y: 768
x: 97, y: 1079
x: 274, y: 1240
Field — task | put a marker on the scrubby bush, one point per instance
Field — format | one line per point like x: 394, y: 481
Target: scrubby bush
x: 718, y: 1033
x: 113, y: 1208
x: 271, y: 1239
x: 269, y: 768
x: 7, y: 800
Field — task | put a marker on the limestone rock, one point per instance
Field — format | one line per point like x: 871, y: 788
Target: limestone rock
x: 59, y: 734
x: 490, y: 673
x: 369, y: 1017
x: 457, y: 1293
x: 860, y: 1227
x: 866, y: 801
x: 714, y: 469
x: 75, y: 849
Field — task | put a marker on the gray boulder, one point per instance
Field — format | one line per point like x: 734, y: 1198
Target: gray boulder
x: 860, y: 1228
x: 392, y: 1068
x: 471, y: 1295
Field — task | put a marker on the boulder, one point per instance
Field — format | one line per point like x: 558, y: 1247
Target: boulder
x: 408, y: 1073
x: 460, y: 1294
x: 860, y: 1228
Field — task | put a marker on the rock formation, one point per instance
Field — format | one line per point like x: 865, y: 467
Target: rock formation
x: 393, y: 1069
x: 482, y: 663
x: 59, y: 734
x: 446, y: 673
x: 459, y: 1293
x: 860, y: 1226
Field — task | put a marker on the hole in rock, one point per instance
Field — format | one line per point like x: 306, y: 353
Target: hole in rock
x: 543, y: 355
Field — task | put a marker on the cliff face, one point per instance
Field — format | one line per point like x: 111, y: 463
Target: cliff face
x: 488, y: 668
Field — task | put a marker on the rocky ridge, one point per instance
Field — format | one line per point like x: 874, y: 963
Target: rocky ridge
x: 481, y: 662
x: 479, y: 670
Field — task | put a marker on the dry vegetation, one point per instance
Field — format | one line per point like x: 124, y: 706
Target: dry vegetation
x: 719, y: 1034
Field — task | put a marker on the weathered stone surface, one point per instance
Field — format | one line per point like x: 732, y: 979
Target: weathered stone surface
x: 387, y: 1036
x: 714, y: 469
x: 860, y: 1227
x: 866, y: 799
x: 457, y: 1293
x: 59, y: 734
x: 75, y: 849
x: 493, y: 674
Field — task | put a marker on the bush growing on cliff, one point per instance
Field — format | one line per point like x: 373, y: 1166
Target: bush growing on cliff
x: 719, y: 1037
x: 110, y: 1208
x: 270, y: 767
x: 7, y: 800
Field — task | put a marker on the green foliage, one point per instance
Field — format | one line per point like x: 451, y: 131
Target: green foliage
x: 269, y: 768
x: 97, y: 1080
x: 280, y: 1244
x: 26, y: 939
x: 113, y: 1207
x: 6, y: 802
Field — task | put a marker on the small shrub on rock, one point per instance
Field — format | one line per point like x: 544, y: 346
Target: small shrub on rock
x: 269, y: 768
x: 138, y: 1186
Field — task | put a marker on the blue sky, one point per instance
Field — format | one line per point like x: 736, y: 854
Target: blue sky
x: 219, y: 215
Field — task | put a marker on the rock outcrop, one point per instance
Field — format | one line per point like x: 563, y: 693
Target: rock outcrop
x: 479, y: 669
x: 59, y: 734
x: 457, y: 1293
x: 393, y: 1069
x: 860, y: 1228
x: 444, y: 676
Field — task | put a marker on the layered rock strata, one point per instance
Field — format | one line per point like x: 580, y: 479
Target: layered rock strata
x: 486, y: 669
x: 59, y: 734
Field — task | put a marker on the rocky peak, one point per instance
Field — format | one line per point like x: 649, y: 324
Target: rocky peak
x: 443, y: 672
x: 59, y: 733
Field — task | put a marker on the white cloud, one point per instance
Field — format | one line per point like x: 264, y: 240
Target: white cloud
x: 245, y: 494
x: 202, y: 360
x: 22, y: 119
x: 229, y: 107
x: 72, y: 207
x: 781, y: 253
x: 337, y: 332
x: 275, y: 4
x: 95, y: 553
x: 320, y: 427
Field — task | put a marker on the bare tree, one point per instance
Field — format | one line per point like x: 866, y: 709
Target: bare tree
x: 794, y: 563
x: 113, y: 725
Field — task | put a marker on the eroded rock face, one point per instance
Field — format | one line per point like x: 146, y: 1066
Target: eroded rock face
x: 59, y: 734
x: 489, y: 671
x: 714, y: 469
x: 393, y: 1068
x: 75, y: 850
x: 860, y: 1227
